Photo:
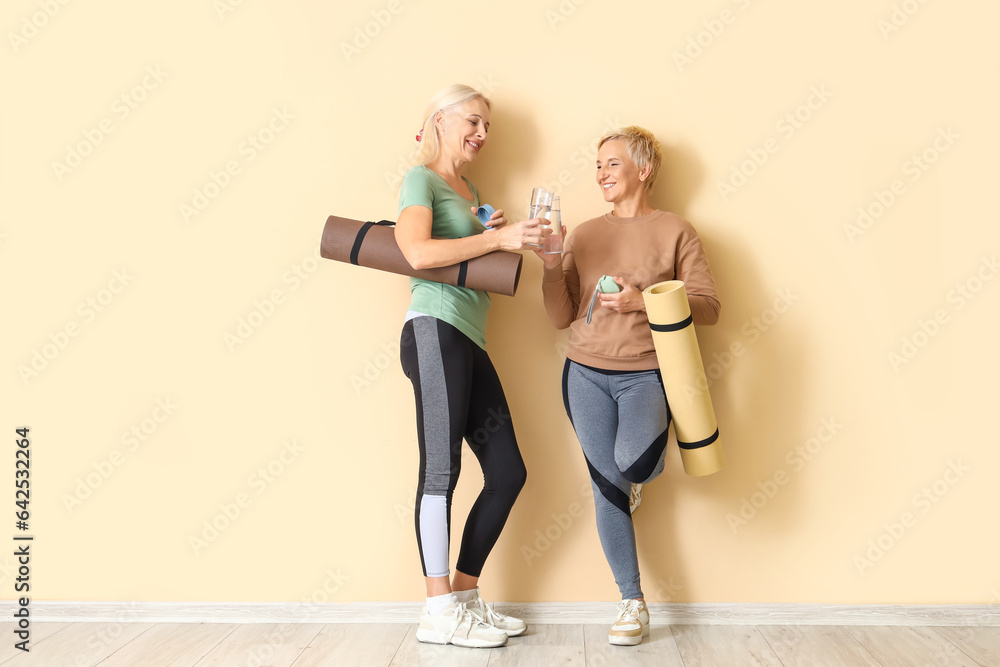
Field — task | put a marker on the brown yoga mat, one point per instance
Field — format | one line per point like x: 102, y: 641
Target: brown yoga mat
x: 683, y: 377
x: 373, y: 244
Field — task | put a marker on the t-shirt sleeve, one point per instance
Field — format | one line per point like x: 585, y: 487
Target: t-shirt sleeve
x: 416, y: 190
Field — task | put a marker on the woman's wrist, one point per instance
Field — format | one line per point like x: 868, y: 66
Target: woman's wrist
x: 492, y: 239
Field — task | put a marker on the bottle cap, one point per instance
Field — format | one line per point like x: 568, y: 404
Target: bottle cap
x: 607, y: 285
x: 484, y: 213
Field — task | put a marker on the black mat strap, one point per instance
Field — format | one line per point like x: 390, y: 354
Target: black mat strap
x: 359, y: 239
x: 672, y: 327
x: 701, y: 443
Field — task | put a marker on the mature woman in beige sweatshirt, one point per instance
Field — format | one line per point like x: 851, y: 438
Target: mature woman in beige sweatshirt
x: 612, y: 388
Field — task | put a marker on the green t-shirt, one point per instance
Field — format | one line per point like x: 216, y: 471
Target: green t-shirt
x: 463, y: 308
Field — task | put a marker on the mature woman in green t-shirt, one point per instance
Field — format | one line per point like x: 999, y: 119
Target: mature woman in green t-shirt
x: 443, y: 353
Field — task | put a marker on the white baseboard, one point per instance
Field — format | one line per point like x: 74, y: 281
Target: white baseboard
x: 662, y: 613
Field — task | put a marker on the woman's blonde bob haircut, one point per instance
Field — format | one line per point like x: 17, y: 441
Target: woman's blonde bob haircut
x: 444, y: 100
x: 641, y: 146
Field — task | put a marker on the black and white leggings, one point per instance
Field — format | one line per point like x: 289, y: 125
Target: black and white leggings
x: 458, y: 396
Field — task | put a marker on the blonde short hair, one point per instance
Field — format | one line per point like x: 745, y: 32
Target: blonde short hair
x: 642, y: 147
x: 445, y: 99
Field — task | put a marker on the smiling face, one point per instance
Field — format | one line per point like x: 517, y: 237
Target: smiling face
x: 617, y: 175
x: 463, y: 129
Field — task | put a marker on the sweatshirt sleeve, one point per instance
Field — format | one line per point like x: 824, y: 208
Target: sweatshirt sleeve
x: 692, y: 268
x: 561, y: 289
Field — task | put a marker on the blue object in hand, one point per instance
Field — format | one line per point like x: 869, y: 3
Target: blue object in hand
x: 484, y: 213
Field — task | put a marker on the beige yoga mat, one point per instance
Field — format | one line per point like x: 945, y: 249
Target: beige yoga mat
x: 683, y: 377
x: 373, y: 244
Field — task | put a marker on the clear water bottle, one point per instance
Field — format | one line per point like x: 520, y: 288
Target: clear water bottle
x: 554, y: 242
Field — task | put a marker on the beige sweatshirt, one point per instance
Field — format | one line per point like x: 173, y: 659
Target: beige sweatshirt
x: 644, y: 250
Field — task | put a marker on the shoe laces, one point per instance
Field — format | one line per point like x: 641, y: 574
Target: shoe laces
x: 634, y: 497
x: 461, y: 613
x: 489, y: 615
x: 628, y: 610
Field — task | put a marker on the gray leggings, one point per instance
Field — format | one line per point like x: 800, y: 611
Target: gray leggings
x: 621, y: 420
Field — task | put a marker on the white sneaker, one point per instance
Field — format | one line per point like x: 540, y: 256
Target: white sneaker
x: 458, y: 626
x: 631, y: 625
x: 481, y: 609
x: 634, y: 497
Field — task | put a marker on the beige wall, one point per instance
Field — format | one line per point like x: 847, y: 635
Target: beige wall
x: 853, y: 476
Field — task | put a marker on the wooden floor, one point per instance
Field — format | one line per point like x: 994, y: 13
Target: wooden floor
x: 346, y: 645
